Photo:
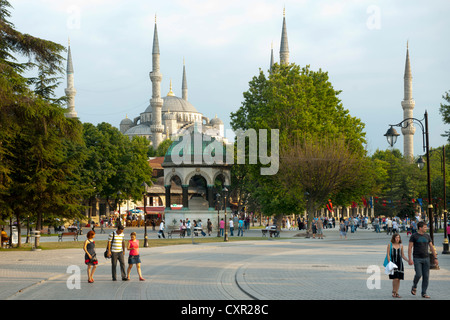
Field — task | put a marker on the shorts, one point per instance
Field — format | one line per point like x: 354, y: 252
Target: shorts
x: 134, y: 259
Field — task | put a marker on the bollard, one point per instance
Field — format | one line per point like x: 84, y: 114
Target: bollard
x: 36, y: 235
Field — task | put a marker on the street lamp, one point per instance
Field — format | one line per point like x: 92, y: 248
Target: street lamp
x: 420, y: 163
x: 218, y: 217
x: 391, y: 136
x: 145, y: 213
x: 445, y: 244
x: 225, y: 191
x: 118, y: 201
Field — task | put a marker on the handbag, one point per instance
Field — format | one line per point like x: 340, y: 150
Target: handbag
x: 386, y: 261
x: 106, y: 251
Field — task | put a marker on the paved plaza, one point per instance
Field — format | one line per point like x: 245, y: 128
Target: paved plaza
x: 286, y: 268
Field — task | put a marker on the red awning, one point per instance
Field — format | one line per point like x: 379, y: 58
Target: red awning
x: 152, y: 209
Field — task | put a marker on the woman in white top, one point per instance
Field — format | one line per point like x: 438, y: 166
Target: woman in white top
x: 161, y: 230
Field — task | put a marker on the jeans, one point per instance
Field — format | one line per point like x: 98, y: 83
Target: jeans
x: 231, y: 231
x: 114, y: 257
x: 240, y: 232
x: 422, y: 268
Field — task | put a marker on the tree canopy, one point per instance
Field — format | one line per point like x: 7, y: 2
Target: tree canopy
x: 303, y: 105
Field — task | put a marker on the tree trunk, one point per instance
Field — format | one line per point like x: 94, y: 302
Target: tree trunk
x: 19, y: 238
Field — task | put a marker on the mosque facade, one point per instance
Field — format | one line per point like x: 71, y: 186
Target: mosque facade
x: 169, y: 116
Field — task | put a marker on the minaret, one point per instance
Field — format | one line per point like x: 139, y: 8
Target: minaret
x: 156, y: 102
x: 184, y: 88
x: 284, y: 48
x: 271, y: 59
x: 70, y: 90
x: 408, y: 106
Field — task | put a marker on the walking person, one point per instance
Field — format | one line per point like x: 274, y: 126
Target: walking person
x: 90, y: 257
x: 231, y: 227
x: 395, y: 253
x: 161, y: 230
x: 240, y: 227
x: 221, y: 226
x: 389, y: 226
x: 319, y: 228
x: 419, y: 243
x: 116, y: 250
x: 102, y: 224
x: 342, y: 230
x: 134, y: 258
x: 209, y: 227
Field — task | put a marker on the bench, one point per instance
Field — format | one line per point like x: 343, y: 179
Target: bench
x: 175, y: 231
x: 67, y: 234
x: 272, y: 232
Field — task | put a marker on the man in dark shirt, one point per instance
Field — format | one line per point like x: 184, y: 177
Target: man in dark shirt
x: 419, y: 243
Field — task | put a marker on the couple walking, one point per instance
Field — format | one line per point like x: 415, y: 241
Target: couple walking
x: 116, y: 251
x: 419, y: 243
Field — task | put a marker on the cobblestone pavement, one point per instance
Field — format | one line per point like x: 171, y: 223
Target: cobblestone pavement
x: 289, y: 268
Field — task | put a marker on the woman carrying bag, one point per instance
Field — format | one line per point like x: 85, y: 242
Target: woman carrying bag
x: 396, y: 255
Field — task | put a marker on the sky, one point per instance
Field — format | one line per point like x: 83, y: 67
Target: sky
x: 224, y: 44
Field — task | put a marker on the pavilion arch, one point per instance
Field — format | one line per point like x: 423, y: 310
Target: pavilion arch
x: 199, y: 172
x: 173, y: 173
x: 225, y: 175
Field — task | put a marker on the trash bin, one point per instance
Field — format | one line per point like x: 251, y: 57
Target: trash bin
x: 35, y: 244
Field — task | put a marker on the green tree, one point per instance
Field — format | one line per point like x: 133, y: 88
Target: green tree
x: 303, y: 105
x: 38, y: 150
x: 400, y: 183
x: 444, y: 110
x: 114, y: 164
x: 161, y: 150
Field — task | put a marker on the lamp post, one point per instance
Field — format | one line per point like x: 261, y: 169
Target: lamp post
x: 391, y: 136
x: 445, y: 244
x: 118, y: 203
x: 218, y: 216
x: 225, y: 191
x: 145, y: 214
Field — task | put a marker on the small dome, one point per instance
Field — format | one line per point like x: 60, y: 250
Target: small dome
x: 126, y: 121
x: 215, y: 121
x: 138, y: 130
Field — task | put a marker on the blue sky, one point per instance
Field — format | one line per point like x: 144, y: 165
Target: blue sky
x: 361, y: 44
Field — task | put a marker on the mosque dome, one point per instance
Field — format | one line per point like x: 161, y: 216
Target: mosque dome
x: 126, y: 121
x: 215, y: 121
x: 138, y: 130
x: 176, y: 104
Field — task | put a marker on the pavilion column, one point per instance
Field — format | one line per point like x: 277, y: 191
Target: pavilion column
x: 167, y: 196
x: 210, y: 197
x: 185, y: 196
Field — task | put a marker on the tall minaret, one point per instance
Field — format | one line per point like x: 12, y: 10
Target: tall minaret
x: 271, y: 59
x: 70, y: 90
x: 156, y: 102
x: 284, y: 48
x: 184, y: 88
x: 408, y: 106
